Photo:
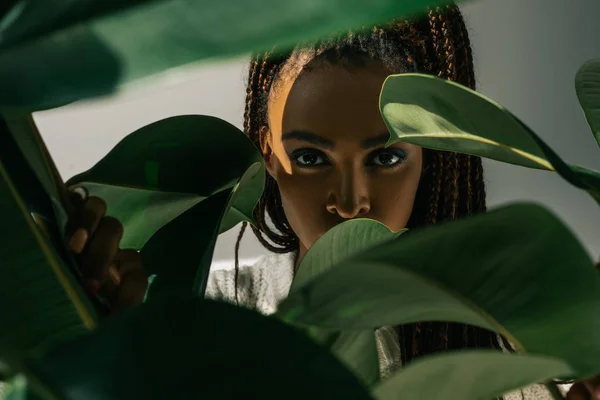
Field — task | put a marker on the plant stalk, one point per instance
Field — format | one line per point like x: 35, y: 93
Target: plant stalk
x: 554, y: 391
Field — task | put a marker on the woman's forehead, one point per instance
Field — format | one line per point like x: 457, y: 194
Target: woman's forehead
x: 331, y: 101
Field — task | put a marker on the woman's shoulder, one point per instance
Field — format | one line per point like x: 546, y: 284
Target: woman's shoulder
x: 261, y: 285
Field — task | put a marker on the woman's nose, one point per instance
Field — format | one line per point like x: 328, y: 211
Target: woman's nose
x: 349, y: 198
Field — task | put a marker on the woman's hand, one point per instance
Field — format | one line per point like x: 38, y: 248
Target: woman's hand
x: 95, y: 239
x: 585, y: 390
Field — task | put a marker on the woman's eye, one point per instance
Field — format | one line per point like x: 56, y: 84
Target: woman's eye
x: 308, y: 159
x: 388, y: 158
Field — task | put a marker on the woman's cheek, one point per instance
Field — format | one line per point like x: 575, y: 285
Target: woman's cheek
x: 304, y: 207
x: 393, y: 198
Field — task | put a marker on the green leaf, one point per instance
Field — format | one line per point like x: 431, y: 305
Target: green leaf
x: 40, y: 301
x: 469, y: 375
x: 30, y: 20
x: 23, y: 131
x: 334, y: 246
x: 443, y: 115
x: 180, y: 253
x: 189, y: 246
x: 163, y: 169
x: 19, y: 388
x: 516, y: 270
x: 171, y: 184
x: 356, y: 349
x: 15, y: 389
x: 129, y: 43
x: 587, y: 86
x: 245, y: 197
x: 192, y: 349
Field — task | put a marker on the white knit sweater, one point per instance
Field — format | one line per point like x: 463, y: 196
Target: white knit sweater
x: 265, y: 284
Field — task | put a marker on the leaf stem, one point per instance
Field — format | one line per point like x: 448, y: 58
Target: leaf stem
x: 554, y: 391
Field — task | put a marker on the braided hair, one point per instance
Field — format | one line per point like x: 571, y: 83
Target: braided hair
x: 451, y: 184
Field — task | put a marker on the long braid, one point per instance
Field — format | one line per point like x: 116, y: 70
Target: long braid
x: 252, y: 76
x: 450, y: 188
x: 477, y: 177
x: 254, y: 114
x: 465, y: 73
x: 435, y: 187
x: 439, y: 52
x: 455, y: 63
x: 465, y: 191
x: 237, y: 260
x: 248, y: 112
x: 451, y: 185
x: 261, y: 74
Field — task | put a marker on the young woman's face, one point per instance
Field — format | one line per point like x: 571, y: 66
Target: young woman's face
x: 326, y: 152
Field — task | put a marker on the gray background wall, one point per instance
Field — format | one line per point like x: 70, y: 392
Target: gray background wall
x: 526, y: 55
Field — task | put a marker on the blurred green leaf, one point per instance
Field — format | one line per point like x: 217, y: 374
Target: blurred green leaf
x: 47, y: 59
x: 15, y: 389
x: 30, y: 144
x: 40, y: 301
x: 23, y: 131
x: 31, y: 19
x: 443, y: 115
x: 587, y: 86
x: 192, y: 349
x: 356, y: 349
x: 469, y: 375
x: 516, y: 270
x: 19, y: 388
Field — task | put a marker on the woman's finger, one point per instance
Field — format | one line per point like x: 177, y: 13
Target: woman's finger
x: 593, y: 386
x: 92, y: 212
x: 102, y: 248
x: 578, y: 392
x: 127, y: 260
x: 77, y: 196
x: 133, y: 281
x: 83, y: 225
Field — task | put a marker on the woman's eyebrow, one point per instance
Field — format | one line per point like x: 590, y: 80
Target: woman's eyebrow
x: 375, y: 141
x: 309, y: 137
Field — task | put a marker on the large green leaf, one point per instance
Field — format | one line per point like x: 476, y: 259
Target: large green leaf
x: 587, y: 85
x: 172, y: 184
x: 469, y: 375
x: 192, y: 349
x: 163, y: 169
x: 65, y: 61
x: 443, y: 115
x: 40, y: 301
x: 356, y: 349
x: 516, y: 270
